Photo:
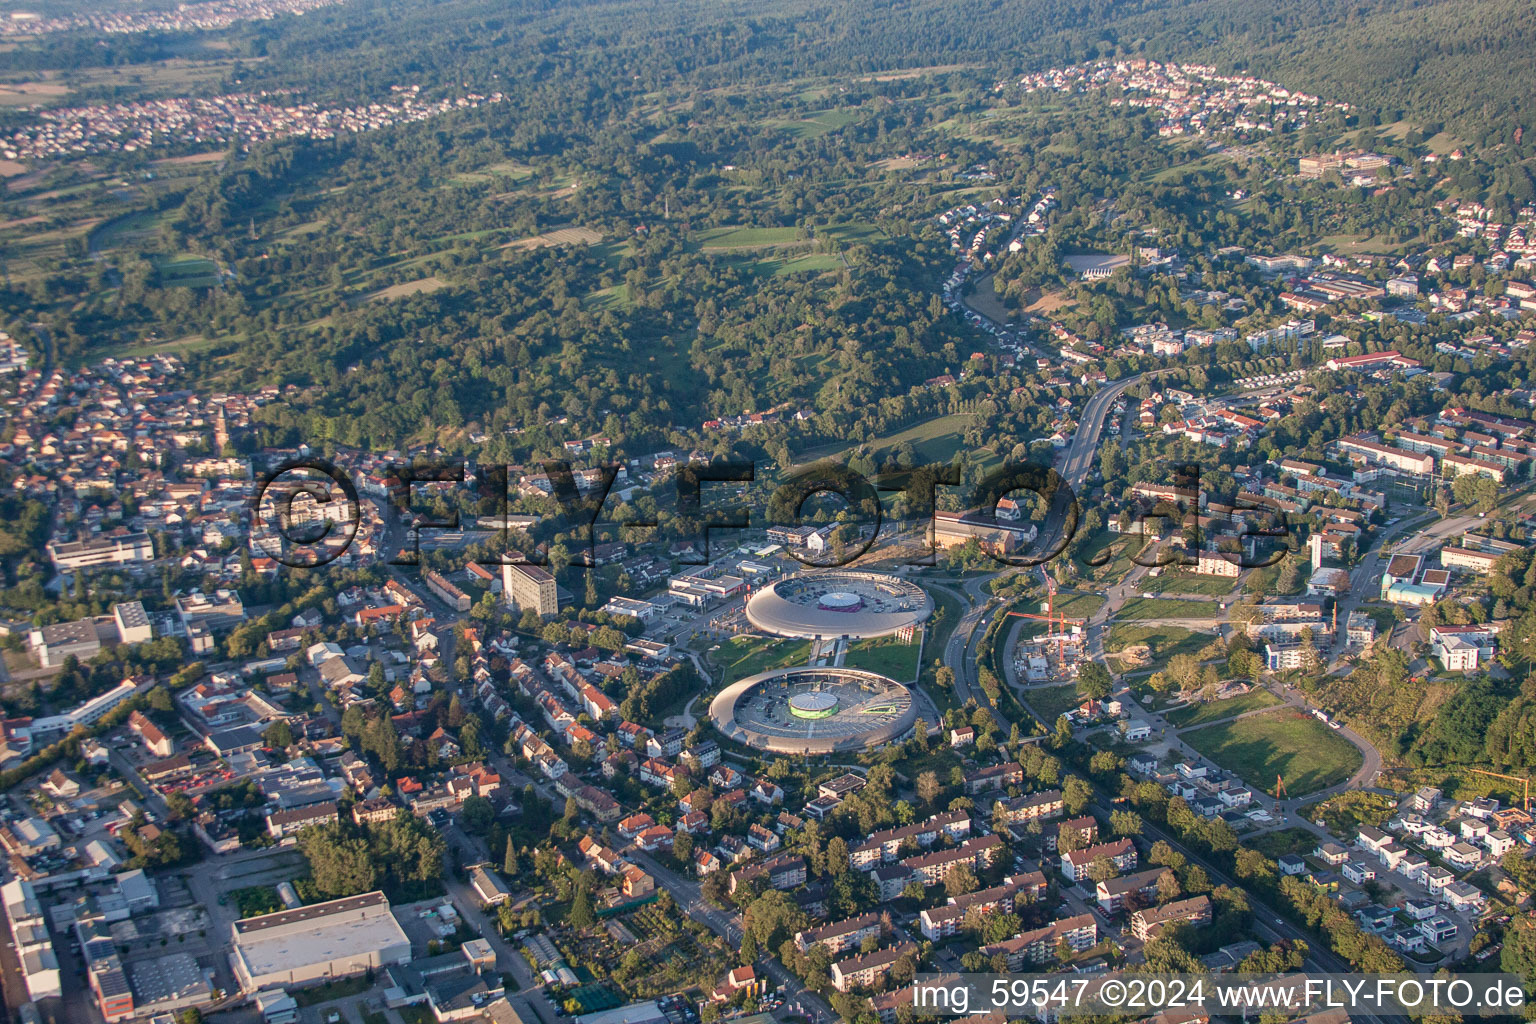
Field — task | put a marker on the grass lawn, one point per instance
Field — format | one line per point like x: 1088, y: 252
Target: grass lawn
x: 743, y: 656
x: 885, y: 655
x: 186, y: 270
x: 934, y: 440
x: 1113, y: 552
x: 819, y: 124
x: 1166, y: 608
x: 1075, y: 606
x: 778, y: 265
x: 1296, y: 746
x: 1283, y: 841
x: 327, y: 991
x: 616, y: 297
x: 1050, y: 702
x: 946, y: 613
x: 1346, y: 812
x: 740, y: 237
x: 1190, y: 583
x: 1165, y: 641
x: 1211, y: 711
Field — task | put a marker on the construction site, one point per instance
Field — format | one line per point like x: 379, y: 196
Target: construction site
x: 1055, y: 655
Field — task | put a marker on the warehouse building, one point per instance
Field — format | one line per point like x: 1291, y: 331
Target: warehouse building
x: 327, y: 940
x: 29, y: 938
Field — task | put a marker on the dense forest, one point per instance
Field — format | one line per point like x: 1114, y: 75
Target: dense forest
x: 744, y: 241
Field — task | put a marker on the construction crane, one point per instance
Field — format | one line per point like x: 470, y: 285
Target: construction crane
x: 1051, y: 619
x: 1280, y: 790
x: 1524, y: 782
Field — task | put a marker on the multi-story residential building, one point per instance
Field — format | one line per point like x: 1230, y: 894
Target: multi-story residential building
x: 939, y: 923
x: 1039, y: 945
x: 868, y: 970
x: 977, y: 853
x: 1147, y: 924
x: 1076, y: 863
x: 885, y: 845
x: 1112, y: 893
x: 1042, y: 806
x: 997, y: 776
x: 530, y: 587
x: 839, y: 936
x: 782, y: 871
x: 281, y: 824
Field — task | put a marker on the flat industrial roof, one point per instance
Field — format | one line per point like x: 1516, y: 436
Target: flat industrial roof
x: 315, y: 912
x: 133, y: 613
x: 167, y: 978
x: 329, y: 937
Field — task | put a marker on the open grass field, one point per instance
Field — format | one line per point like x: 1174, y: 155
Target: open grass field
x: 770, y: 264
x: 1162, y: 608
x: 743, y: 656
x: 1165, y: 641
x: 1050, y: 702
x: 27, y: 94
x: 933, y: 441
x: 885, y: 655
x: 946, y: 613
x: 1303, y: 751
x: 819, y: 124
x: 1283, y: 841
x: 1113, y: 549
x: 560, y: 236
x: 185, y: 271
x: 1215, y: 710
x: 746, y: 238
x: 616, y: 298
x: 424, y: 286
x: 506, y: 170
x: 1074, y: 606
x: 1174, y: 582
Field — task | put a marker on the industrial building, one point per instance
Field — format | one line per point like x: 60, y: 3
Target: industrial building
x: 29, y: 934
x: 124, y: 548
x: 327, y: 940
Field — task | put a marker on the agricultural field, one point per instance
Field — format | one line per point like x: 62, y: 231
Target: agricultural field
x: 1295, y: 746
x: 561, y: 236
